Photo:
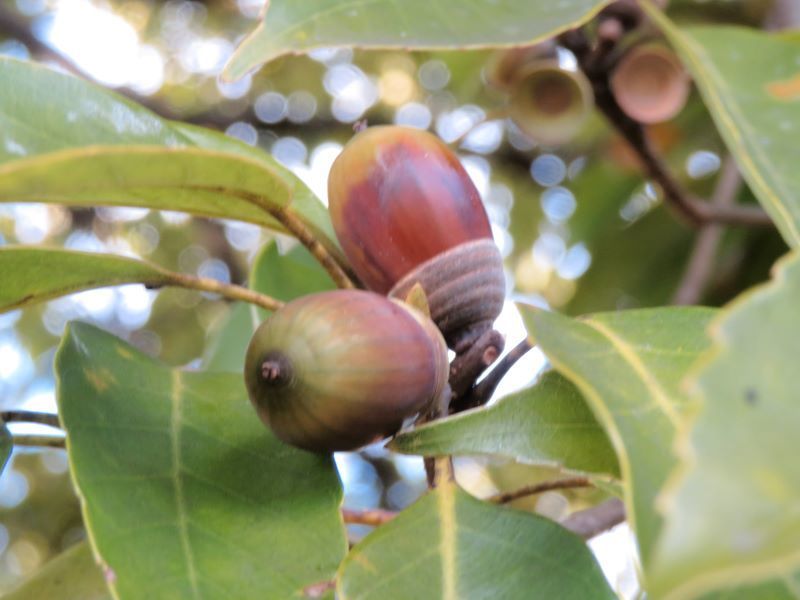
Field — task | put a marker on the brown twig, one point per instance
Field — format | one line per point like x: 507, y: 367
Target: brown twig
x: 539, y: 488
x: 482, y: 392
x: 29, y: 416
x: 372, y: 516
x: 597, y: 519
x: 701, y: 262
x: 437, y: 469
x: 40, y: 441
x: 468, y: 366
x: 325, y: 258
x: 692, y: 210
x: 229, y: 290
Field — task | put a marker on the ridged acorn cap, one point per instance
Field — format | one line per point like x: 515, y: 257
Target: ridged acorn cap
x: 338, y: 370
x: 398, y: 197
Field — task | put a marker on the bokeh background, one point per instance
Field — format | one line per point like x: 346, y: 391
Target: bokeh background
x: 579, y: 227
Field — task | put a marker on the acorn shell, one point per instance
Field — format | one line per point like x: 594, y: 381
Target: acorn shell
x: 551, y: 104
x: 398, y: 197
x: 650, y: 84
x: 354, y: 365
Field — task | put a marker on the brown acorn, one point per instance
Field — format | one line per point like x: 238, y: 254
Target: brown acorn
x: 406, y: 212
x: 650, y: 84
x: 551, y: 104
x: 338, y: 370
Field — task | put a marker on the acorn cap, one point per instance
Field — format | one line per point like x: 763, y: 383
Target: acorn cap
x: 650, y: 84
x: 341, y: 369
x: 550, y: 104
x: 398, y: 197
x: 505, y: 67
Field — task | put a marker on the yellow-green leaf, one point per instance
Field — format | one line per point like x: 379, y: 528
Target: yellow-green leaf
x: 101, y: 149
x: 629, y: 366
x: 290, y: 26
x: 548, y: 424
x: 72, y: 575
x: 733, y: 512
x: 449, y: 546
x: 32, y: 275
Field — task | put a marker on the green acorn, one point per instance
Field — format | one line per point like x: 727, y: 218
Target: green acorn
x: 342, y: 369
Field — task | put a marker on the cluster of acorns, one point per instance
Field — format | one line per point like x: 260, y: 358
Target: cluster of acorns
x: 339, y: 370
x: 550, y: 103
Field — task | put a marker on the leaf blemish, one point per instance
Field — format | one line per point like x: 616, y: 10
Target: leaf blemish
x: 787, y: 90
x: 100, y: 380
x: 124, y: 352
x: 751, y: 396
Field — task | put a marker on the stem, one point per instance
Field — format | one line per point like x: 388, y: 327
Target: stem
x: 372, y: 516
x: 29, y: 416
x: 467, y: 366
x: 593, y: 521
x: 306, y: 237
x: 41, y: 441
x: 229, y: 290
x: 482, y: 392
x: 438, y: 469
x: 701, y: 262
x: 532, y: 490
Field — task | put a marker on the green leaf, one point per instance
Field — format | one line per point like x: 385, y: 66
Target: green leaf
x: 548, y: 424
x: 450, y: 545
x: 185, y: 494
x: 292, y: 27
x: 733, y: 504
x: 102, y: 149
x: 32, y: 275
x: 228, y: 339
x: 72, y: 575
x: 629, y: 365
x: 288, y: 276
x: 750, y: 81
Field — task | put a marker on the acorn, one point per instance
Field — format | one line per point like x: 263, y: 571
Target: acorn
x: 650, y: 84
x: 551, y: 104
x: 341, y: 369
x: 406, y: 212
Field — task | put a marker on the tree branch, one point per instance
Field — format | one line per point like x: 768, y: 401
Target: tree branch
x: 701, y: 262
x: 692, y: 210
x: 40, y: 441
x: 29, y: 416
x: 229, y: 290
x: 547, y: 486
x: 597, y: 519
x: 372, y: 516
x: 482, y: 392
